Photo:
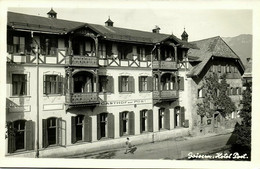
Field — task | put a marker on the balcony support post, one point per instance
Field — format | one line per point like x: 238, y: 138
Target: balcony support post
x: 70, y: 86
x: 175, y: 53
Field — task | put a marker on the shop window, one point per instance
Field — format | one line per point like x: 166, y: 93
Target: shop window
x: 52, y: 84
x: 20, y: 135
x: 19, y: 84
x: 126, y: 83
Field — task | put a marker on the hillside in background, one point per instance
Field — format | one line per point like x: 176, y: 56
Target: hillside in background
x: 242, y: 45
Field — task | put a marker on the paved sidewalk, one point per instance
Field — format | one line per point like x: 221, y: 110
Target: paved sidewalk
x: 175, y: 148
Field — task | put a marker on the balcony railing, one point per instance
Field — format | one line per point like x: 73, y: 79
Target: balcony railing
x: 87, y: 61
x: 82, y: 98
x: 164, y: 65
x: 165, y: 95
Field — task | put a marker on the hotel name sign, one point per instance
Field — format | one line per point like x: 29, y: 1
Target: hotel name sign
x: 125, y: 102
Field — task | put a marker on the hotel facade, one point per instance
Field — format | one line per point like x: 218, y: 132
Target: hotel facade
x: 76, y: 87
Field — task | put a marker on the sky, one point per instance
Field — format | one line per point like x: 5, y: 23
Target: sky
x: 199, y: 24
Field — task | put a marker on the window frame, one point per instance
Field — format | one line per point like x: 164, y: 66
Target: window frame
x: 25, y: 85
x: 58, y: 84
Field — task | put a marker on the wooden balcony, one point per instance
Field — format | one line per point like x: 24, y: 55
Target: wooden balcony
x: 82, y: 98
x: 165, y: 95
x: 85, y: 61
x: 164, y: 65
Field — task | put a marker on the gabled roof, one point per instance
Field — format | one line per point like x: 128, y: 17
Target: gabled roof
x: 44, y: 24
x: 211, y: 47
x: 39, y: 23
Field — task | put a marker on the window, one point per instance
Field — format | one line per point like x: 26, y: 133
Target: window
x: 125, y: 52
x: 219, y: 68
x: 109, y: 50
x: 179, y: 116
x: 19, y: 44
x: 83, y: 82
x: 200, y: 91
x: 19, y: 127
x: 235, y: 70
x: 126, y: 83
x: 102, y: 50
x: 161, y: 118
x: 155, y: 83
x: 211, y: 68
x: 49, y: 45
x: 143, y: 83
x: 20, y: 135
x: 81, y: 129
x: 19, y: 84
x: 146, y: 121
x: 106, y: 84
x: 180, y: 83
x: 105, y: 125
x: 52, y: 84
x: 141, y: 53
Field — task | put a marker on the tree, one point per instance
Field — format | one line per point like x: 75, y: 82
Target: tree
x: 215, y: 97
x: 223, y: 101
x: 242, y: 131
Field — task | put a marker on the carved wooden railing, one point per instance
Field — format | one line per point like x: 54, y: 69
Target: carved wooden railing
x: 81, y: 61
x: 82, y: 98
x: 165, y: 94
x: 164, y: 65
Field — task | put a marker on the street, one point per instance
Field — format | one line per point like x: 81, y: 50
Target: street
x: 170, y: 149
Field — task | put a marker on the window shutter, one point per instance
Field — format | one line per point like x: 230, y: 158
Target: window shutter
x: 131, y: 123
x: 167, y: 119
x: 131, y: 84
x: 73, y: 129
x: 140, y: 83
x: 11, y: 137
x: 44, y: 85
x: 44, y: 133
x: 59, y: 131
x: 87, y: 129
x: 174, y: 117
x: 98, y: 127
x: 120, y: 83
x: 110, y: 84
x: 150, y: 120
x: 141, y: 115
x: 181, y: 85
x: 29, y: 135
x: 121, y: 124
x: 182, y: 117
x: 111, y: 124
x: 150, y: 83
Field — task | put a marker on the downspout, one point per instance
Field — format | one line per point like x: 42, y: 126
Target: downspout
x: 37, y: 98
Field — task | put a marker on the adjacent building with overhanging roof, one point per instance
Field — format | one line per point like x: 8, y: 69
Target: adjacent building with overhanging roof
x: 73, y: 87
x: 213, y: 56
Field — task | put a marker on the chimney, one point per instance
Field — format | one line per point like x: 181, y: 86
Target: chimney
x: 109, y: 22
x: 156, y: 29
x: 52, y: 14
